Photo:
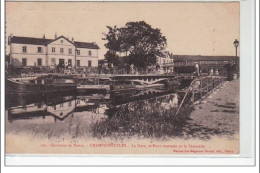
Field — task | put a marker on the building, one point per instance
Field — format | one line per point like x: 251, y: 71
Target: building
x: 61, y: 110
x: 166, y: 59
x: 186, y: 63
x: 28, y: 51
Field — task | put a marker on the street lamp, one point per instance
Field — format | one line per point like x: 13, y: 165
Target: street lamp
x: 236, y: 44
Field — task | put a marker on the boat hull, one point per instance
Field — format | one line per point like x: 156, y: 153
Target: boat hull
x: 92, y: 88
x: 17, y: 87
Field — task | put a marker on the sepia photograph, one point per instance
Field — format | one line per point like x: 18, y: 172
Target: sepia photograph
x: 122, y: 78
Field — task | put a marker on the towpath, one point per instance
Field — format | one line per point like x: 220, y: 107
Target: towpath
x: 217, y: 114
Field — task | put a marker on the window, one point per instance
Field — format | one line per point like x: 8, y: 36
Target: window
x: 61, y: 50
x: 53, y: 49
x: 89, y: 63
x: 39, y: 61
x: 39, y: 49
x: 24, y: 49
x: 53, y: 61
x: 24, y: 62
x: 78, y: 63
x: 70, y: 50
x: 89, y: 53
x: 78, y: 52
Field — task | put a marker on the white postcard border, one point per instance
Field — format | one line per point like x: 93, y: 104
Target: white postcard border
x: 247, y: 141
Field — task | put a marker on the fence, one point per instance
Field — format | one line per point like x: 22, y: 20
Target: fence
x: 200, y: 87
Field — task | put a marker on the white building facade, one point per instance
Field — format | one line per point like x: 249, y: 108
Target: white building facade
x: 27, y: 51
x: 166, y: 59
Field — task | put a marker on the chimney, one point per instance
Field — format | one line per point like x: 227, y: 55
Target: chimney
x: 55, y: 35
x: 72, y: 39
x: 10, y: 39
x: 43, y: 36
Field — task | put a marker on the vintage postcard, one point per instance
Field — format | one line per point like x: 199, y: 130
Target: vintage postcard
x: 122, y: 78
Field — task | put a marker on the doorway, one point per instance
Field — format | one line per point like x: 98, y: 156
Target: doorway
x: 69, y: 62
x: 61, y: 63
x: 39, y: 62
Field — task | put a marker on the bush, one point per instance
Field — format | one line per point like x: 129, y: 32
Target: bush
x: 142, y: 119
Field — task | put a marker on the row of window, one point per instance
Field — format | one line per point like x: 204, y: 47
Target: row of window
x: 53, y: 49
x: 54, y: 106
x: 164, y: 61
x: 39, y: 62
x: 61, y: 105
x: 39, y: 49
x: 53, y: 62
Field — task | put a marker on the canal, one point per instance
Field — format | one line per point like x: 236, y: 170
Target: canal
x: 134, y: 112
x: 141, y: 113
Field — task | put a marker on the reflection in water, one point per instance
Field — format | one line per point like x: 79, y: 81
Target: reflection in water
x: 61, y: 110
x: 124, y: 111
x: 142, y: 113
x: 60, y: 106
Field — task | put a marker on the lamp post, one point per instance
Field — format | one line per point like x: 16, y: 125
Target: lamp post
x: 236, y: 44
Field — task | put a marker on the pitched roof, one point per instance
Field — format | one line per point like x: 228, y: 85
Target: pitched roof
x: 203, y: 58
x: 29, y: 40
x: 44, y: 41
x: 86, y: 45
x: 58, y: 39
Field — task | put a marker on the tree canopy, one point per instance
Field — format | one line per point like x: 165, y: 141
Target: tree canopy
x: 136, y: 40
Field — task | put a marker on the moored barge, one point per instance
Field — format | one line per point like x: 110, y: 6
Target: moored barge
x: 41, y: 84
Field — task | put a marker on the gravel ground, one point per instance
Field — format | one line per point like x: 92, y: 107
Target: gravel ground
x: 217, y: 114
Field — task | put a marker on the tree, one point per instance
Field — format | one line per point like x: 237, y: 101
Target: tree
x: 112, y: 57
x: 136, y: 40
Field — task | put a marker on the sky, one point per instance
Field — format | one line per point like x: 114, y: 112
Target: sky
x: 191, y: 28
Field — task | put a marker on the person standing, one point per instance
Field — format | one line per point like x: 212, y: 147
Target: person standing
x: 227, y: 66
x: 132, y: 68
x: 211, y: 73
x: 99, y: 68
x: 216, y: 72
x: 157, y: 67
x: 197, y: 68
x: 112, y: 68
x: 234, y: 68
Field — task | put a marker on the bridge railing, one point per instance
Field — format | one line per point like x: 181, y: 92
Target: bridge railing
x: 201, y: 87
